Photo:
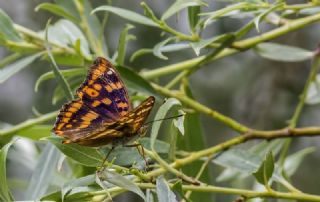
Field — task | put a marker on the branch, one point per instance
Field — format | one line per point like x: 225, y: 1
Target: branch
x: 239, y: 46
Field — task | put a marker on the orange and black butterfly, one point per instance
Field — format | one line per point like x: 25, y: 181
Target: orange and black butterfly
x: 103, y: 113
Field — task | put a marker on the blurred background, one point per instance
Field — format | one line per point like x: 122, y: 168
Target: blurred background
x: 254, y: 91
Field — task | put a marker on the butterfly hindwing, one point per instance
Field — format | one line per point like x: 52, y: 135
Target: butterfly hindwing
x: 76, y: 117
x: 104, y: 92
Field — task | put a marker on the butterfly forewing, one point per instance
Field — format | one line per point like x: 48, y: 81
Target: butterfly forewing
x: 104, y: 91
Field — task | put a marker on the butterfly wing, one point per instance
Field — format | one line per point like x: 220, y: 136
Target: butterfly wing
x: 104, y: 92
x: 124, y: 129
x: 75, y: 119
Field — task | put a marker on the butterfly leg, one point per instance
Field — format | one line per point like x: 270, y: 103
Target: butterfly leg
x: 141, y: 152
x: 102, y: 167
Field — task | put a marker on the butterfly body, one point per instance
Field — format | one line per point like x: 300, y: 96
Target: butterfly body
x: 103, y: 113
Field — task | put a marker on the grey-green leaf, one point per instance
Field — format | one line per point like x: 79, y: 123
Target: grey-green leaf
x: 282, y: 53
x: 179, y: 5
x: 84, y: 155
x: 56, y: 9
x: 127, y: 14
x: 10, y: 70
x: 42, y: 176
x: 123, y: 44
x: 163, y: 191
x: 313, y: 93
x: 7, y: 30
x: 65, y: 73
x: 121, y: 181
x: 5, y: 194
x: 294, y: 160
x: 163, y: 110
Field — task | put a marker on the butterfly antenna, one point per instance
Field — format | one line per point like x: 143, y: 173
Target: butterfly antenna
x: 167, y: 118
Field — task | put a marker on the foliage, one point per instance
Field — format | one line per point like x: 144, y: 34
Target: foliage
x: 176, y: 150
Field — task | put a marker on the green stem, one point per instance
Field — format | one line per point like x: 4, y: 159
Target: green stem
x: 303, y: 96
x: 94, y: 43
x: 203, y: 109
x: 28, y: 123
x: 223, y: 190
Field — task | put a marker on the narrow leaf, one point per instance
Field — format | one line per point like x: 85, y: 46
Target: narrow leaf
x: 179, y: 122
x: 123, y: 44
x: 36, y: 132
x: 157, y: 48
x: 179, y: 5
x: 282, y: 53
x: 264, y: 173
x: 193, y: 16
x: 7, y: 30
x: 84, y: 155
x: 74, y: 184
x: 294, y: 160
x: 163, y: 110
x: 42, y: 176
x: 163, y: 191
x: 56, y: 9
x: 127, y: 14
x: 61, y: 80
x: 121, y: 181
x: 5, y: 194
x: 135, y: 82
x: 65, y: 73
x: 15, y: 67
x: 313, y: 93
x: 139, y: 53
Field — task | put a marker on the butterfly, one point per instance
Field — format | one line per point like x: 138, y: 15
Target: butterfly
x: 102, y: 114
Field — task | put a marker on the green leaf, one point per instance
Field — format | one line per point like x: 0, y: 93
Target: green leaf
x: 293, y: 161
x: 260, y: 17
x: 179, y: 5
x: 127, y: 156
x: 313, y: 93
x: 149, y: 196
x: 197, y: 46
x: 179, y: 122
x: 7, y: 30
x: 43, y: 174
x: 65, y: 73
x: 58, y: 10
x: 163, y: 110
x: 84, y: 155
x: 66, y: 33
x: 194, y: 140
x: 163, y: 191
x: 121, y: 181
x: 135, y: 82
x: 36, y: 132
x: 139, y: 53
x: 95, y: 32
x: 193, y: 16
x: 265, y: 171
x: 282, y: 53
x: 10, y: 70
x: 5, y: 194
x: 157, y: 48
x: 123, y: 44
x: 74, y: 184
x: 127, y: 14
x: 212, y: 16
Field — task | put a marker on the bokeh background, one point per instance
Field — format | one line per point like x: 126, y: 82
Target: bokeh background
x: 257, y: 92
